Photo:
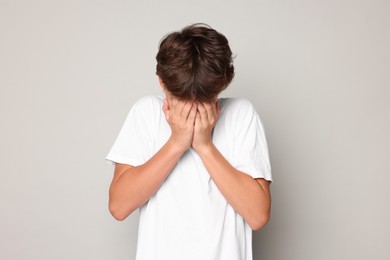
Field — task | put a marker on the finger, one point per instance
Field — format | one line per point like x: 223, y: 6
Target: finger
x: 210, y: 112
x: 203, y: 114
x: 172, y: 103
x: 186, y: 109
x: 177, y: 107
x: 192, y: 114
x: 198, y: 119
x: 215, y: 110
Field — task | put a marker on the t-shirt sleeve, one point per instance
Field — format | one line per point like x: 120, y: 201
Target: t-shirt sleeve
x: 250, y: 144
x: 134, y: 143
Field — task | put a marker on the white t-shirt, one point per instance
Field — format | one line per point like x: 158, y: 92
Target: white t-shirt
x: 188, y: 218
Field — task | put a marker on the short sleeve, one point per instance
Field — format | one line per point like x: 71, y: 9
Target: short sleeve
x: 250, y: 144
x: 134, y: 143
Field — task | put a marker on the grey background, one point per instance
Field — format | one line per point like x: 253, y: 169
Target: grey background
x: 317, y: 72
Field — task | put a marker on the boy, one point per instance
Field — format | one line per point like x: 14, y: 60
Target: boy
x: 195, y: 165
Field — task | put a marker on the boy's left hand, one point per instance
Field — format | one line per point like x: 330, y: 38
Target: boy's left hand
x: 206, y: 119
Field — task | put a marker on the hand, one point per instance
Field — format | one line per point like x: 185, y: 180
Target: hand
x: 181, y: 118
x: 205, y: 120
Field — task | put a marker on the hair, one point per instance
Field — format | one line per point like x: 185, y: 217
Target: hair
x: 195, y: 63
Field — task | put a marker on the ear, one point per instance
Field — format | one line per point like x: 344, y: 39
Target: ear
x: 161, y: 83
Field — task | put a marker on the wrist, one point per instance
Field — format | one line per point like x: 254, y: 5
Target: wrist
x: 177, y: 146
x: 205, y: 149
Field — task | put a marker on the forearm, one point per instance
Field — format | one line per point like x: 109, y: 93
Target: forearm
x: 137, y: 184
x: 250, y: 199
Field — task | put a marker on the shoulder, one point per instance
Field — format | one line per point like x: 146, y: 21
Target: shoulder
x: 149, y: 102
x: 146, y: 109
x: 147, y: 105
x: 240, y: 113
x: 237, y: 106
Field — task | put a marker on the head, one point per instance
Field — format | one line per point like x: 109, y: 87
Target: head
x: 195, y: 63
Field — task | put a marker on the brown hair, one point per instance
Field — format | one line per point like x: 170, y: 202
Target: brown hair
x: 195, y: 63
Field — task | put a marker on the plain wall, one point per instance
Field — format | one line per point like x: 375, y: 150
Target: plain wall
x: 316, y: 71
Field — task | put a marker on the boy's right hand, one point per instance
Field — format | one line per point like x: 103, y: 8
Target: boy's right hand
x: 181, y: 118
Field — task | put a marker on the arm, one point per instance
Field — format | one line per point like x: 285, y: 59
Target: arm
x: 132, y: 186
x: 248, y: 196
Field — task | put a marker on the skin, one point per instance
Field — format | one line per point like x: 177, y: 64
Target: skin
x: 191, y: 124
